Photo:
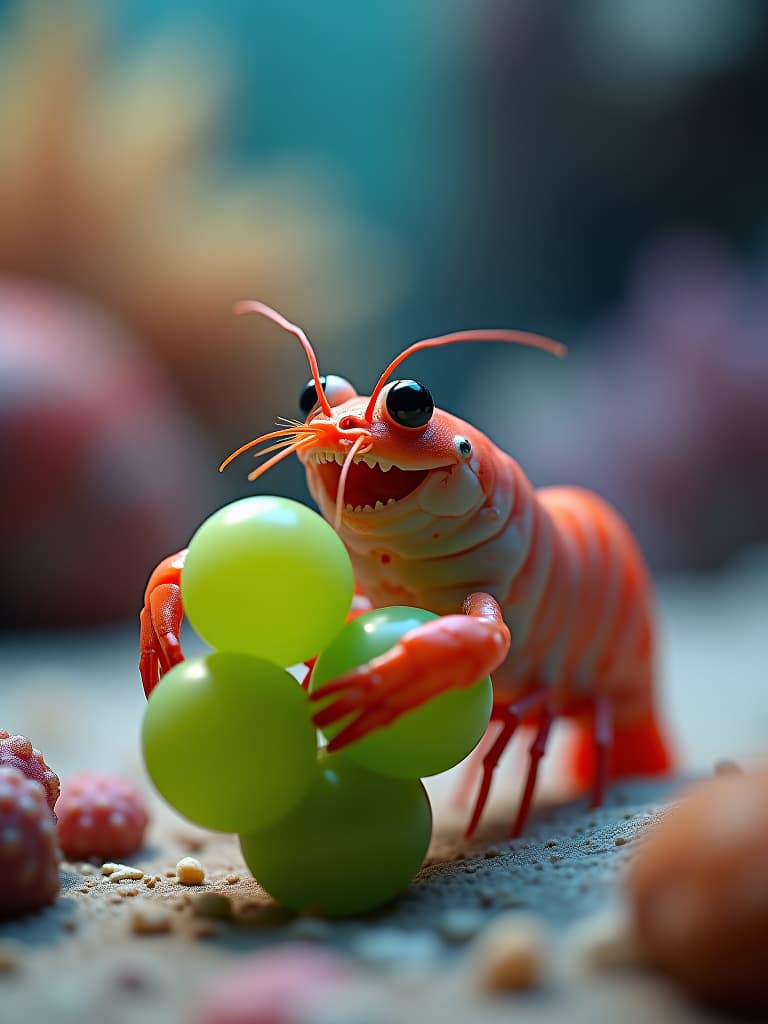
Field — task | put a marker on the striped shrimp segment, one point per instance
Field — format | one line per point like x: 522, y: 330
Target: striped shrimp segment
x: 580, y: 621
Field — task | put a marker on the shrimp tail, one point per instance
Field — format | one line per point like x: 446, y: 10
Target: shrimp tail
x: 638, y: 748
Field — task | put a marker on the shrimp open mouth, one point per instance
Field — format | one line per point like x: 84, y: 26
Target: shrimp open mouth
x: 371, y: 484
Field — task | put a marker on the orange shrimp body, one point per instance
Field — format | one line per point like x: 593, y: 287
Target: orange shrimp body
x: 545, y: 589
x: 569, y: 579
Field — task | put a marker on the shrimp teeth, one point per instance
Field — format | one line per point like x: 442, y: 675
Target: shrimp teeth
x: 330, y: 456
x: 369, y: 508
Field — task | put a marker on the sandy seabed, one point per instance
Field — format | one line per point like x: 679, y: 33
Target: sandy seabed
x: 79, y: 699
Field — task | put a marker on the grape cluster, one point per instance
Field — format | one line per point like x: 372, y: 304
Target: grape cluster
x: 228, y: 737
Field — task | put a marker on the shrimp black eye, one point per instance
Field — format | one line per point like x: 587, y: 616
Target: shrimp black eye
x: 409, y: 403
x: 337, y: 390
x: 308, y: 398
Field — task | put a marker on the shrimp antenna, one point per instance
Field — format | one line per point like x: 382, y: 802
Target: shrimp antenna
x: 252, y: 306
x: 515, y: 337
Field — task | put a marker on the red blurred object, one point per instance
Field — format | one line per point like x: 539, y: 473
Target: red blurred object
x: 275, y: 987
x: 18, y: 752
x: 101, y: 815
x: 101, y: 466
x: 29, y: 863
x: 698, y: 892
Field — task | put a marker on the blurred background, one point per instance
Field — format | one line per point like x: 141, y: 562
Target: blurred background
x: 595, y: 171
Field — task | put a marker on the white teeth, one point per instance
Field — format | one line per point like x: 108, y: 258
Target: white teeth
x: 371, y: 461
x: 379, y: 506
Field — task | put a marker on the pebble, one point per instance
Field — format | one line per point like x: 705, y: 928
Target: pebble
x: 510, y: 955
x: 121, y: 872
x: 190, y: 871
x: 148, y: 919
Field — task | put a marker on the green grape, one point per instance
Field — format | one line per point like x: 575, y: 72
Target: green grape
x: 267, y: 576
x: 428, y: 740
x: 353, y: 843
x: 228, y: 741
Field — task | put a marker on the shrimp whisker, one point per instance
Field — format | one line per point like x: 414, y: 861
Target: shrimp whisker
x: 359, y: 441
x: 296, y: 446
x: 290, y: 433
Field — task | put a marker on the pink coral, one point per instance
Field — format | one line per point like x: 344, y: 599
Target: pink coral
x: 277, y: 987
x: 29, y: 875
x: 18, y: 752
x: 666, y: 416
x: 101, y: 815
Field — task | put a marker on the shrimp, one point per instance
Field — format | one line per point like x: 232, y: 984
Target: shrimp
x: 545, y: 589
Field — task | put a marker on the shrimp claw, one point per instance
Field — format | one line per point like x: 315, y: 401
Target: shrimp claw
x: 448, y: 653
x: 160, y: 621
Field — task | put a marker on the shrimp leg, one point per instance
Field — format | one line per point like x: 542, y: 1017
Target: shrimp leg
x: 537, y: 751
x: 511, y: 717
x: 603, y: 739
